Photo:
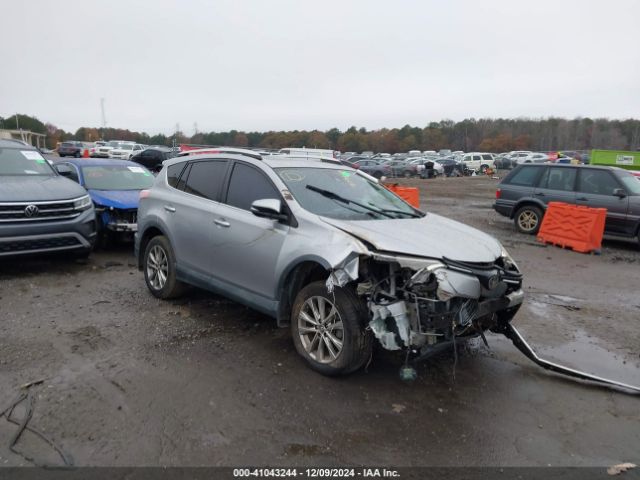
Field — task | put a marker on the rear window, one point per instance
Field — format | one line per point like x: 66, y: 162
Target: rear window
x: 525, y: 176
x: 487, y: 157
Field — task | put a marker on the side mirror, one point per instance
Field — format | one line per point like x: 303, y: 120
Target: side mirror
x: 268, y: 208
x: 619, y: 192
x: 63, y: 170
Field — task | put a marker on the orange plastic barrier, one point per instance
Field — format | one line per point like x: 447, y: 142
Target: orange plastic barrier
x: 577, y: 227
x: 85, y: 153
x: 411, y: 195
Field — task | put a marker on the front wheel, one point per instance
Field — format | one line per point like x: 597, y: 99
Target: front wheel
x: 528, y: 219
x: 328, y: 329
x: 484, y: 168
x: 159, y: 267
x: 407, y: 174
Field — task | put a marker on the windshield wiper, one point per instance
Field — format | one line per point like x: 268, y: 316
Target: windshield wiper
x: 411, y: 214
x: 335, y: 196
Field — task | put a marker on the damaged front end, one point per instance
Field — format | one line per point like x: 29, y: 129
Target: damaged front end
x: 118, y: 220
x: 423, y: 305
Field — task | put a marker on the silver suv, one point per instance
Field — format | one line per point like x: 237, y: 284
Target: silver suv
x: 325, y: 249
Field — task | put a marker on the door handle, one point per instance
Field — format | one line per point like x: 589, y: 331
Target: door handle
x: 169, y: 208
x: 221, y: 223
x: 540, y: 194
x: 582, y: 199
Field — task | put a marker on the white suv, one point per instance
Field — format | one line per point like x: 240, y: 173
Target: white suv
x: 528, y: 157
x: 478, y: 161
x: 125, y: 151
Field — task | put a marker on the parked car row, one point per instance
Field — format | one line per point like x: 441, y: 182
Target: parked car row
x: 323, y: 248
x: 42, y: 211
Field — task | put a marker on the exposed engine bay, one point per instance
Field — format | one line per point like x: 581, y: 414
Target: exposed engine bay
x: 418, y: 303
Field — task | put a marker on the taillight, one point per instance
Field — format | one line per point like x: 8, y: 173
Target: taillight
x: 498, y: 193
x: 144, y: 194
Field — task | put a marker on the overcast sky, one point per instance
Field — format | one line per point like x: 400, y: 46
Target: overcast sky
x: 296, y: 64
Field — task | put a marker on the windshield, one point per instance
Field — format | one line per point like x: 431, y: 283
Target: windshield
x: 126, y: 147
x: 113, y: 144
x: 631, y: 183
x: 348, y: 185
x: 23, y: 162
x: 116, y: 177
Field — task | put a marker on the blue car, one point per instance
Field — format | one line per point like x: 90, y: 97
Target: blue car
x: 114, y: 187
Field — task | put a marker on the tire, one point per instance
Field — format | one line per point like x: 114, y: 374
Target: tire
x: 377, y: 175
x: 407, y: 174
x: 316, y: 346
x: 483, y: 168
x: 76, y: 155
x: 528, y: 219
x: 163, y: 264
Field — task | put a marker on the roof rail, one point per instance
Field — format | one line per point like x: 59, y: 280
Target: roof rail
x: 321, y: 158
x: 235, y: 151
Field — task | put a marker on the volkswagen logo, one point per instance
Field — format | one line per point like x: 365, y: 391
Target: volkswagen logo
x: 31, y: 211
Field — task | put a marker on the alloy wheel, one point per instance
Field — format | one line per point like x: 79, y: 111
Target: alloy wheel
x: 320, y: 329
x: 528, y: 220
x: 157, y: 267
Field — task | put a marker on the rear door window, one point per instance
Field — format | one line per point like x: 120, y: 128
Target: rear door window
x: 173, y: 174
x: 597, y: 182
x: 206, y: 179
x: 559, y: 178
x: 248, y: 184
x: 487, y: 157
x: 526, y: 177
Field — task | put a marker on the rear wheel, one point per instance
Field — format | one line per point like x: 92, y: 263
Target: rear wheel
x: 528, y: 219
x: 377, y: 175
x: 484, y: 168
x: 407, y: 174
x: 159, y: 267
x: 328, y: 329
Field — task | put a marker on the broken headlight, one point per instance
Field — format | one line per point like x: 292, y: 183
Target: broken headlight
x: 508, y: 262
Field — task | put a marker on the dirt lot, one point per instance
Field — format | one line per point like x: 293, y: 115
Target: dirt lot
x: 131, y: 380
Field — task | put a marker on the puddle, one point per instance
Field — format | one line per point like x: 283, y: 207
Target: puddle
x: 584, y: 353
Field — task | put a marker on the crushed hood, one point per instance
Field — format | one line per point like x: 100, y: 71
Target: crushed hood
x: 122, y: 199
x: 430, y: 236
x: 38, y: 188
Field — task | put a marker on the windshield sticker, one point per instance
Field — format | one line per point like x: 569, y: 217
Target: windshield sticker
x: 292, y: 176
x: 31, y: 172
x: 32, y: 155
x: 345, y: 173
x: 136, y: 169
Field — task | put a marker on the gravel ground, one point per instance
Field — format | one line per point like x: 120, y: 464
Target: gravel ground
x: 132, y: 380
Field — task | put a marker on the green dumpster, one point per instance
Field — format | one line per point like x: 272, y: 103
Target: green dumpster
x: 616, y: 158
